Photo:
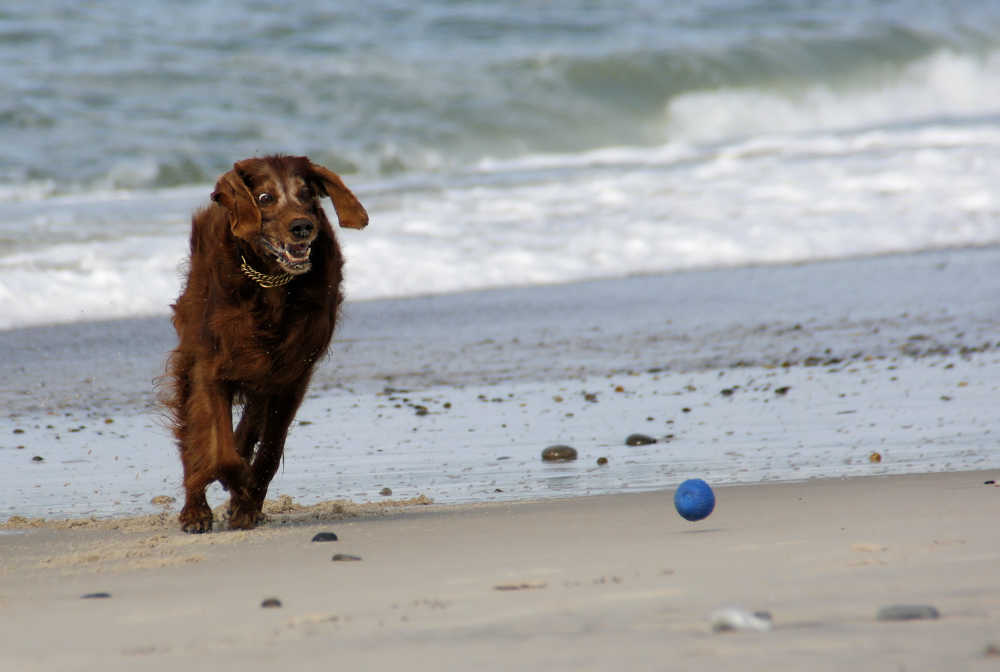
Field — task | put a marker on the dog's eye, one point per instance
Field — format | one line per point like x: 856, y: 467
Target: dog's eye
x: 305, y: 195
x: 265, y: 199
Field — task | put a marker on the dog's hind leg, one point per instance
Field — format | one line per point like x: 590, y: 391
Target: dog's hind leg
x: 248, y: 430
x: 277, y: 416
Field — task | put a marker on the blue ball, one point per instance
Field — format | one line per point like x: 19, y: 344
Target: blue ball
x: 694, y: 500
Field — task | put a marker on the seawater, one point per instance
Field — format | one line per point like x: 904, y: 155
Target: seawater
x: 501, y: 143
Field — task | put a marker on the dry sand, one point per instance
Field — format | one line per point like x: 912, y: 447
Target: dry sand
x: 607, y: 582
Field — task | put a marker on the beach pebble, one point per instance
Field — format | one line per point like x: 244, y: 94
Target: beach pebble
x: 94, y: 596
x: 601, y: 461
x: 590, y: 397
x: 162, y: 500
x: 639, y: 440
x: 907, y: 612
x: 343, y: 557
x: 782, y: 390
x: 559, y: 454
x: 989, y: 482
x: 325, y: 536
x: 385, y: 492
x: 694, y: 500
x: 735, y: 619
x: 38, y: 458
x: 270, y: 603
x: 875, y: 458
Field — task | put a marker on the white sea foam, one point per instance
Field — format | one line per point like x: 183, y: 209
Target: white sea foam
x: 553, y: 219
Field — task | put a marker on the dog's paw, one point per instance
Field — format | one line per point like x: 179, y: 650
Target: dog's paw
x: 245, y: 518
x: 196, y: 520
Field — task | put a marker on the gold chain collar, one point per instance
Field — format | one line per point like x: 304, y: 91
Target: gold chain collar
x: 264, y: 280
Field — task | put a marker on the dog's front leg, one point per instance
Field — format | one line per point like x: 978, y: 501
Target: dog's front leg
x: 208, y: 449
x: 276, y: 415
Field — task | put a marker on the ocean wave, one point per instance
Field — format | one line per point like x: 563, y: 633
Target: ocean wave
x: 944, y: 86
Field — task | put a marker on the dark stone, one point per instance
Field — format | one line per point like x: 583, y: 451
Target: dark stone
x: 343, y: 557
x: 559, y: 454
x: 639, y: 440
x: 727, y: 392
x: 270, y: 603
x: 325, y: 536
x: 989, y: 482
x: 601, y: 461
x: 782, y: 390
x: 385, y: 492
x: 907, y: 612
x: 94, y: 596
x: 38, y: 458
x: 685, y: 410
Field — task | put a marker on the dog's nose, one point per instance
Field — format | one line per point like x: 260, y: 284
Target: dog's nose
x: 301, y: 228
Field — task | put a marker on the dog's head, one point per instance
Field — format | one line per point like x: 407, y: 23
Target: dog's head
x: 273, y: 205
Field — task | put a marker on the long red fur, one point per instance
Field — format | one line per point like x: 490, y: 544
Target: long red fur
x: 243, y: 344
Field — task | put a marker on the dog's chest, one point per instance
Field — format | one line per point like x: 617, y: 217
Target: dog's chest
x: 268, y: 347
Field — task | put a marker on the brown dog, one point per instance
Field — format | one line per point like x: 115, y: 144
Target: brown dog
x: 256, y: 313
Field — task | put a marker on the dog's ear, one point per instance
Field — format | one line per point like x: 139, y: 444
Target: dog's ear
x: 232, y: 194
x: 350, y: 212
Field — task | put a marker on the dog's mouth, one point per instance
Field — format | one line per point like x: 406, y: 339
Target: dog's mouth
x: 292, y: 257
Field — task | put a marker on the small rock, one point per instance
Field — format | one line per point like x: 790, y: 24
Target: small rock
x: 590, y: 397
x: 343, y: 557
x: 559, y: 454
x: 325, y: 536
x: 601, y: 461
x: 989, y: 482
x: 95, y: 596
x: 270, y: 603
x: 782, y: 390
x: 734, y: 619
x: 907, y: 612
x: 108, y: 421
x: 498, y: 490
x: 162, y: 500
x: 19, y: 431
x: 619, y: 389
x: 38, y: 458
x: 727, y: 392
x: 685, y: 410
x: 639, y: 440
x: 385, y: 492
x: 875, y: 458
x: 421, y: 410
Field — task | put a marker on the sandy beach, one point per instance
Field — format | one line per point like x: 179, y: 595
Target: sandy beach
x: 793, y: 379
x: 607, y: 582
